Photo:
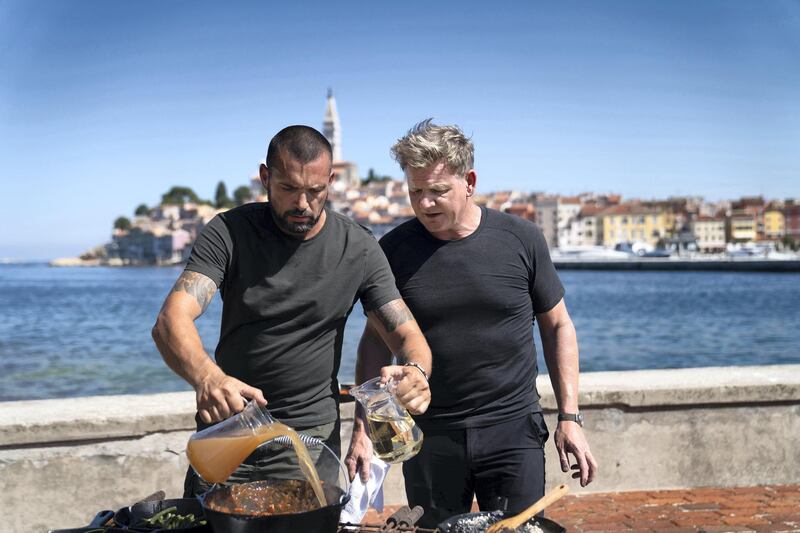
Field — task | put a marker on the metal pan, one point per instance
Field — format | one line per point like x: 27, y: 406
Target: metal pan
x: 97, y: 524
x: 133, y: 516
x: 478, y: 522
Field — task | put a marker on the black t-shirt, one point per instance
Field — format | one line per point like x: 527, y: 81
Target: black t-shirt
x: 475, y: 301
x: 285, y: 303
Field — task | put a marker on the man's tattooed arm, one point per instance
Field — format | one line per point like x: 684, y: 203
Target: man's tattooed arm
x: 393, y: 314
x: 404, y: 355
x: 201, y: 287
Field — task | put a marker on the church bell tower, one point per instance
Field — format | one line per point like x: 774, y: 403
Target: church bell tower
x: 331, y: 128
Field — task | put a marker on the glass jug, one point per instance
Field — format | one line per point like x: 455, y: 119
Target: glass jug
x: 217, y: 451
x: 394, y: 434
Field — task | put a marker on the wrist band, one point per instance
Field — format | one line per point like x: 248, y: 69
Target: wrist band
x: 418, y: 367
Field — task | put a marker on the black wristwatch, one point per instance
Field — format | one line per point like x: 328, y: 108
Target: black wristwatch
x: 571, y: 417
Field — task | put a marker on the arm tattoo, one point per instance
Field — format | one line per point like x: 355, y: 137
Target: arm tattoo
x: 404, y: 355
x: 393, y: 314
x: 197, y: 285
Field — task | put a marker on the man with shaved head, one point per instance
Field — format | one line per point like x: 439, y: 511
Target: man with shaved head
x: 289, y: 272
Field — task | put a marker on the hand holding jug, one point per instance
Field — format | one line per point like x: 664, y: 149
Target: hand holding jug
x: 394, y: 434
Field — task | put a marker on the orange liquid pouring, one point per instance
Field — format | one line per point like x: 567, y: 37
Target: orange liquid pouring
x: 215, y: 459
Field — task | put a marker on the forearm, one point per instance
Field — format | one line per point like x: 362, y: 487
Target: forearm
x: 560, y: 346
x: 414, y: 349
x: 400, y: 332
x: 179, y: 343
x: 372, y: 354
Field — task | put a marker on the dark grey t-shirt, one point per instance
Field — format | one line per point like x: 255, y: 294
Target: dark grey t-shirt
x: 285, y: 303
x: 475, y: 300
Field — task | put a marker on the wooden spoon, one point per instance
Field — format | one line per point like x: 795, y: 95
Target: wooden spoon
x: 514, y: 522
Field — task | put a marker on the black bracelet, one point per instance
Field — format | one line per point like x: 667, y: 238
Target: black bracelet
x: 418, y: 367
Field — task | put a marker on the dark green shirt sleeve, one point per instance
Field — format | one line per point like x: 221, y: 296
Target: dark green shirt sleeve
x: 211, y: 252
x: 546, y: 287
x: 378, y: 287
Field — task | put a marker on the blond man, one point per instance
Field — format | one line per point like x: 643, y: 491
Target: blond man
x: 476, y: 280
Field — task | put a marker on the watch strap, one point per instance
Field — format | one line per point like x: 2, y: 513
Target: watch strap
x: 571, y: 417
x: 418, y: 367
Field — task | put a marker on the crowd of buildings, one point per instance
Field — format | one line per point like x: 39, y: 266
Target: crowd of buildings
x: 165, y: 234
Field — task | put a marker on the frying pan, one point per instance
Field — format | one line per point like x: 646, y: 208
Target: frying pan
x: 96, y: 524
x: 133, y: 516
x: 478, y: 522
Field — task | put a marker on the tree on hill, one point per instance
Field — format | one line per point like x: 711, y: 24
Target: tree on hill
x: 221, y: 197
x: 141, y: 210
x: 122, y: 223
x: 372, y: 177
x: 179, y: 195
x: 242, y: 195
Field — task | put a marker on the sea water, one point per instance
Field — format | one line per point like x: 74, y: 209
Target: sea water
x: 68, y: 332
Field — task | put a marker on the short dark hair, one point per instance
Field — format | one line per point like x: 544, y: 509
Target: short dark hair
x: 303, y: 144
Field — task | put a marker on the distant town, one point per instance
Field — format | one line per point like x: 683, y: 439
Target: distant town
x: 687, y: 226
x: 164, y: 234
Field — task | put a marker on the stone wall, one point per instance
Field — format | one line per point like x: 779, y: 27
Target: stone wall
x: 63, y: 460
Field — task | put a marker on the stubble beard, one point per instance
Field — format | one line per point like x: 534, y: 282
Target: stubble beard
x: 296, y: 228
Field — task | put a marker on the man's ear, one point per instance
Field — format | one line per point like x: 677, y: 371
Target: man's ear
x: 472, y: 181
x: 330, y: 178
x: 263, y: 174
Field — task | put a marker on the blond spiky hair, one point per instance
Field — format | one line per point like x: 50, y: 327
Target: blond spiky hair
x: 426, y: 144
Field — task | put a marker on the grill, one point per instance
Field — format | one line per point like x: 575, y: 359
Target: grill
x: 401, y: 521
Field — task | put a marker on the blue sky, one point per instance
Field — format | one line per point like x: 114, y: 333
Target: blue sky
x: 105, y: 105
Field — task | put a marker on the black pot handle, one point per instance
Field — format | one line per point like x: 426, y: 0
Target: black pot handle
x: 102, y: 518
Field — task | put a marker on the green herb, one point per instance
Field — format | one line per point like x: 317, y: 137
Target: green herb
x: 170, y: 519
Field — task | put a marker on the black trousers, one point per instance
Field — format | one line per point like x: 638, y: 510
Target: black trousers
x: 501, y: 465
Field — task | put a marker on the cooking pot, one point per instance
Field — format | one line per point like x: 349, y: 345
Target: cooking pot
x: 133, y: 516
x: 322, y: 519
x: 478, y: 522
x: 276, y: 480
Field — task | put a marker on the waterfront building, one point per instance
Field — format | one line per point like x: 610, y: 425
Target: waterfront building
x: 346, y: 174
x: 142, y: 247
x: 632, y: 222
x: 166, y: 212
x: 742, y: 227
x: 585, y: 229
x: 522, y: 210
x: 567, y: 210
x: 774, y: 222
x: 499, y: 200
x: 791, y: 214
x: 257, y: 191
x: 710, y: 233
x: 547, y: 217
x: 747, y: 207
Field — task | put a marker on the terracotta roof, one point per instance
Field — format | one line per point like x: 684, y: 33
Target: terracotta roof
x: 628, y: 209
x: 590, y: 210
x: 517, y: 209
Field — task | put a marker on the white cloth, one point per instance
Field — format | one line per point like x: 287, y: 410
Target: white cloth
x: 361, y: 496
